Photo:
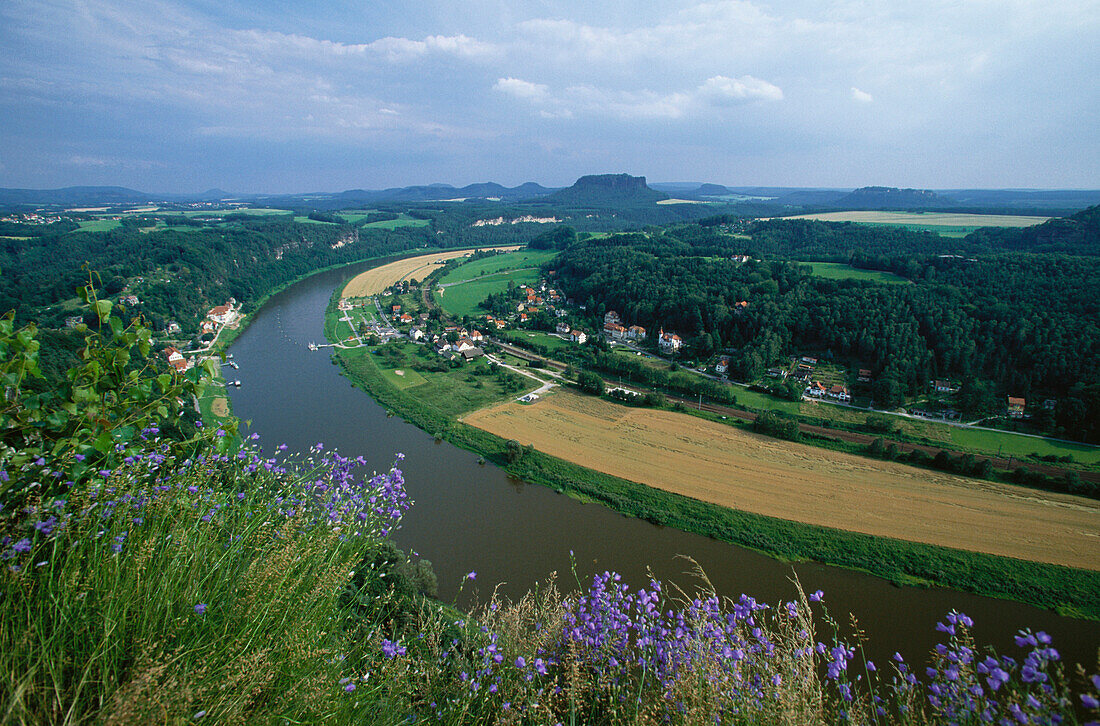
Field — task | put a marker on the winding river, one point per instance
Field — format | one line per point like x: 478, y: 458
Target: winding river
x: 472, y: 517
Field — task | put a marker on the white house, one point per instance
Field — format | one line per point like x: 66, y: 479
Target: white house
x: 578, y: 336
x: 562, y: 328
x: 635, y: 332
x: 669, y: 342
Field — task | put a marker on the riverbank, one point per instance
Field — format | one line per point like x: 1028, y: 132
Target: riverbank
x: 207, y: 408
x: 1069, y: 591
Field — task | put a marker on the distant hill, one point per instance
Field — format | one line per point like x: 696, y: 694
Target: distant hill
x: 711, y: 190
x: 72, y: 196
x: 894, y: 198
x: 607, y: 190
x: 436, y: 192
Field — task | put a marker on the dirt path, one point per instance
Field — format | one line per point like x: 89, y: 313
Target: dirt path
x: 726, y: 466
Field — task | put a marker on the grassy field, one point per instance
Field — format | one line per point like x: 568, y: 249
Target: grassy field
x: 840, y: 271
x: 403, y: 377
x: 499, y: 263
x: 98, y: 225
x: 393, y: 224
x: 376, y: 280
x: 552, y: 342
x: 927, y: 219
x: 449, y: 393
x: 465, y: 298
x: 1007, y: 443
x: 747, y: 472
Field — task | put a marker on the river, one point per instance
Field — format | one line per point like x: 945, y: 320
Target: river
x: 473, y: 517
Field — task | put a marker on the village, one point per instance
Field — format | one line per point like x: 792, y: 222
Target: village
x: 546, y: 318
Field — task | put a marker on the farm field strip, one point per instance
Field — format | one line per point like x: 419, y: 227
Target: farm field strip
x: 725, y: 466
x: 377, y: 279
x: 937, y: 219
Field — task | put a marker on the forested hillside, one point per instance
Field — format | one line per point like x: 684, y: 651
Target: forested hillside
x: 1023, y: 323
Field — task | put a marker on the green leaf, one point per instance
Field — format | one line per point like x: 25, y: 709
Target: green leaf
x: 102, y: 309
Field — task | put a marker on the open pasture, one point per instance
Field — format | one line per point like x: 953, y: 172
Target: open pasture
x: 840, y: 271
x: 729, y: 467
x: 377, y: 279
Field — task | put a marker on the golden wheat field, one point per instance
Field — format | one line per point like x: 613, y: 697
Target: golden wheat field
x: 932, y: 219
x: 376, y: 280
x: 733, y: 468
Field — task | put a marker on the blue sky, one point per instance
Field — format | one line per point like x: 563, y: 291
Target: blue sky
x: 281, y: 96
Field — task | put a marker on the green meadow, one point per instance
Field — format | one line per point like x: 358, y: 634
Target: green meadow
x: 840, y: 271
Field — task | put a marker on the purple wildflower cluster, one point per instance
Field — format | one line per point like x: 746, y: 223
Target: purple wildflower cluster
x: 375, y: 505
x: 327, y: 491
x: 632, y: 647
x: 968, y: 686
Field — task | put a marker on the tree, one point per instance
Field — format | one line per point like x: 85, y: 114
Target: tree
x: 590, y: 382
x: 887, y: 392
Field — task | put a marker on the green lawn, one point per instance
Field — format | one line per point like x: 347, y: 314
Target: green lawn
x: 840, y: 271
x: 307, y: 220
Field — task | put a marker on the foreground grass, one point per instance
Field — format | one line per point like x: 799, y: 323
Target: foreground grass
x: 227, y: 588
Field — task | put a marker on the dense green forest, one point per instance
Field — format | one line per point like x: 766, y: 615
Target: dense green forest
x: 1024, y: 322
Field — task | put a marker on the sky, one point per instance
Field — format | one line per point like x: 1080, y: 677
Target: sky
x: 283, y: 96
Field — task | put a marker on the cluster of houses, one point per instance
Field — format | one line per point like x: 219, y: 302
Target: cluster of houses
x: 837, y: 392
x: 613, y: 328
x: 219, y: 316
x: 465, y: 347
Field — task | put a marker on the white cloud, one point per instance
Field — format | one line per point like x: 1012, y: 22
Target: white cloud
x: 589, y: 100
x: 519, y: 88
x: 723, y: 91
x: 861, y: 96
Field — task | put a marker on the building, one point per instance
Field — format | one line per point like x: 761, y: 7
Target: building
x: 612, y: 318
x: 723, y: 364
x: 1016, y: 407
x: 406, y: 318
x: 864, y: 375
x: 578, y: 336
x: 416, y: 334
x: 221, y: 314
x: 476, y: 336
x: 614, y: 330
x: 562, y: 328
x: 942, y: 387
x: 669, y: 342
x: 839, y: 393
x: 635, y: 332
